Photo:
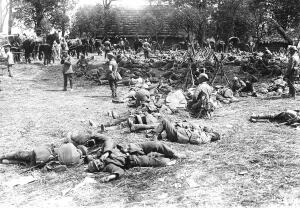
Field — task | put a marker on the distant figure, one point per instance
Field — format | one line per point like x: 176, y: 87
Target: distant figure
x: 64, y: 45
x: 201, y: 104
x: 237, y: 85
x: 10, y: 60
x: 107, y: 47
x: 126, y: 44
x: 293, y: 70
x: 67, y: 70
x: 137, y: 45
x: 82, y: 63
x: 113, y: 75
x: 147, y: 48
x: 122, y: 45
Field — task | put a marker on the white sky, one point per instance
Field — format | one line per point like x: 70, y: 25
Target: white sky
x: 125, y: 3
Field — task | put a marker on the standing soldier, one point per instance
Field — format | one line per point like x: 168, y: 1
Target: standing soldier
x: 67, y: 70
x: 113, y: 75
x: 64, y: 45
x: 146, y: 48
x: 107, y: 47
x: 126, y: 44
x: 122, y: 45
x: 10, y: 60
x: 292, y: 72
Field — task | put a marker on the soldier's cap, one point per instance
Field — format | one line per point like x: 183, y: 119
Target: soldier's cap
x: 203, y: 75
x: 293, y: 48
x: 83, y: 149
x: 110, y: 54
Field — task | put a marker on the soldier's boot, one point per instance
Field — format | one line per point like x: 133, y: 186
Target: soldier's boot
x: 255, y: 118
x: 139, y: 127
x: 139, y: 119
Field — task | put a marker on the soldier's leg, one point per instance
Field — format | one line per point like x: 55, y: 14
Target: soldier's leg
x: 71, y: 80
x: 292, y: 90
x: 116, y: 87
x: 170, y: 129
x: 9, y: 71
x: 116, y: 121
x: 146, y: 161
x: 263, y: 116
x: 140, y: 127
x: 65, y: 81
x: 158, y: 147
x: 111, y: 85
x: 19, y: 156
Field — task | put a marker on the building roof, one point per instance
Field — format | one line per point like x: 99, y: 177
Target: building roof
x: 130, y: 21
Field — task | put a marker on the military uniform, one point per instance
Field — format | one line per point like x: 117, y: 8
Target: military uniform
x: 202, y: 103
x: 67, y: 71
x: 107, y: 48
x: 289, y: 117
x: 122, y: 157
x: 183, y: 133
x: 293, y: 73
x: 112, y: 77
x: 146, y: 48
x: 66, y: 154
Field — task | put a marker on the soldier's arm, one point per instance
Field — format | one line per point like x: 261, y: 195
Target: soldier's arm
x: 108, y: 143
x: 115, y: 172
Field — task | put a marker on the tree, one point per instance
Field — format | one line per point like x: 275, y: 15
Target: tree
x: 232, y: 18
x: 107, y: 4
x: 43, y: 14
x: 283, y: 15
x: 152, y: 23
x: 3, y: 12
x: 186, y: 19
x: 59, y: 17
x: 201, y: 9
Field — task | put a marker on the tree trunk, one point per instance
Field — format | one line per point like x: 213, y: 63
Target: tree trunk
x: 281, y: 31
x: 1, y: 17
x: 10, y: 18
x: 63, y: 26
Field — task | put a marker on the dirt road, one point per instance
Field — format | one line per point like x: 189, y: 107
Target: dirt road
x: 253, y: 165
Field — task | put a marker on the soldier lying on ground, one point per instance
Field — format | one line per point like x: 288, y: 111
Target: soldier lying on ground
x: 142, y: 122
x: 66, y: 154
x: 186, y: 133
x: 239, y: 87
x: 115, y: 159
x: 137, y: 120
x: 225, y: 94
x: 278, y: 85
x: 289, y: 117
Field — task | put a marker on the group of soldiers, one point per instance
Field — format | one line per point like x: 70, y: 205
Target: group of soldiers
x: 101, y: 153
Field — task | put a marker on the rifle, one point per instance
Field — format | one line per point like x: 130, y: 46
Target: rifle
x: 40, y: 165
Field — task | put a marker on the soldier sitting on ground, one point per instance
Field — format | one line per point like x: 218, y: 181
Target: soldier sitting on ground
x: 239, y: 87
x: 202, y: 105
x: 288, y: 117
x: 225, y: 94
x: 82, y: 63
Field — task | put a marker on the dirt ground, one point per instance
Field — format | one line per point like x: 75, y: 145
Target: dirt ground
x: 254, y: 165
